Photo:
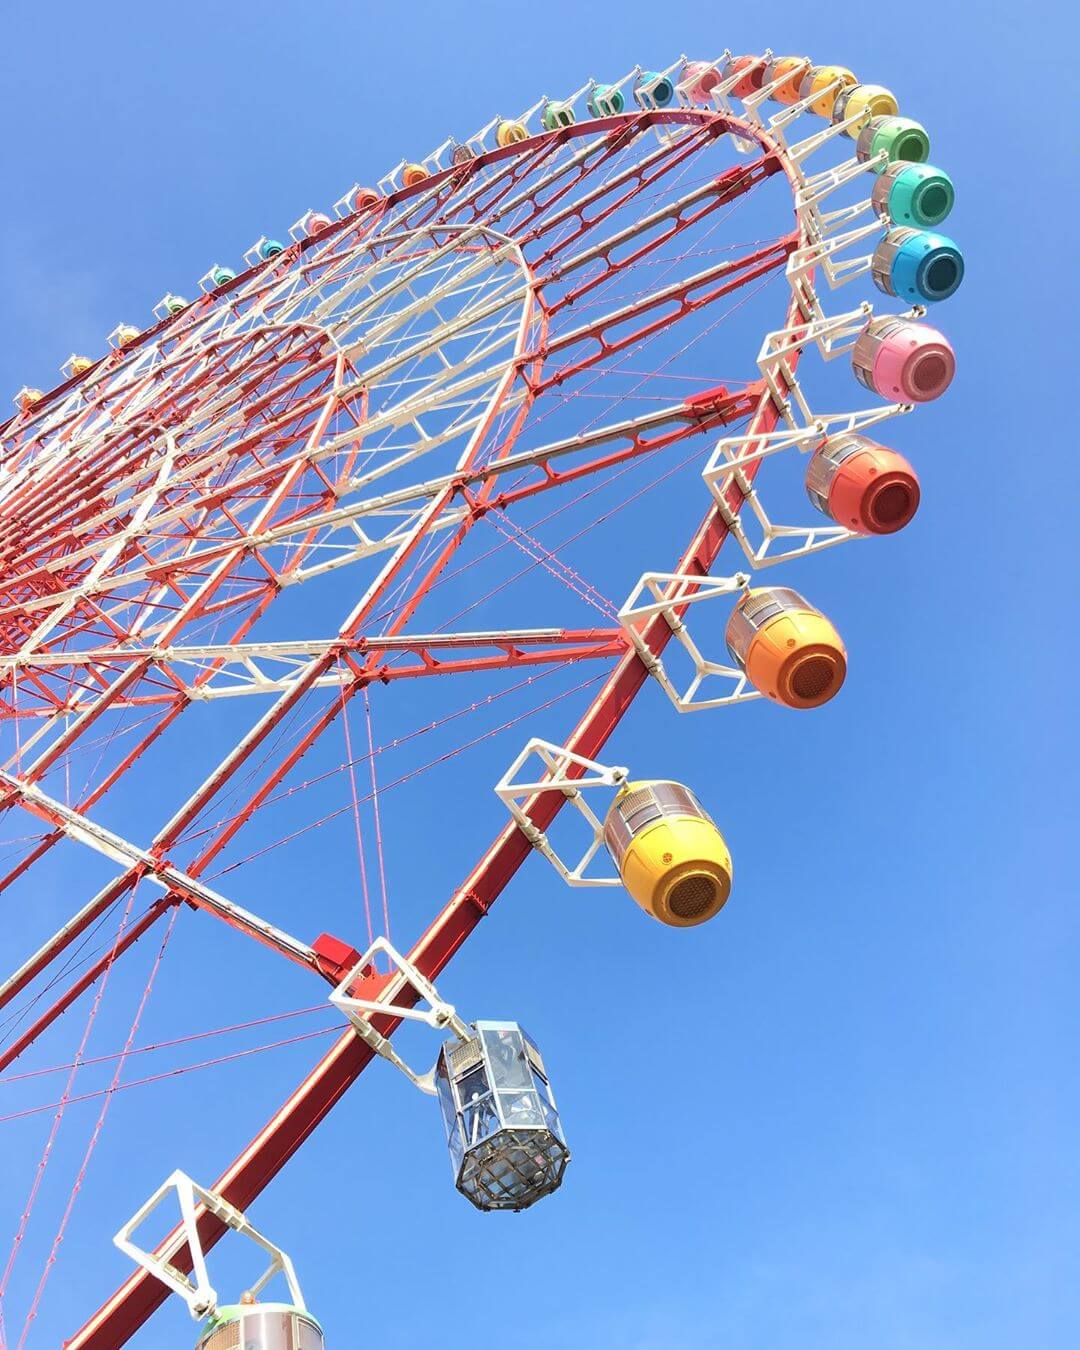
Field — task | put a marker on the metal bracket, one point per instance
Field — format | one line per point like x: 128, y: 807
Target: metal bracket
x: 832, y: 336
x: 733, y: 453
x: 816, y: 187
x: 526, y: 117
x: 388, y: 183
x: 801, y: 150
x: 821, y: 254
x: 478, y: 140
x: 207, y: 284
x: 162, y: 311
x: 299, y: 230
x: 722, y: 94
x: 670, y: 593
x: 781, y: 543
x: 439, y: 1015
x: 433, y: 161
x: 558, y: 763
x: 198, y: 1293
x: 603, y: 102
x: 568, y: 102
x: 254, y: 258
x: 115, y: 339
x: 68, y: 368
x: 727, y: 465
x: 752, y: 102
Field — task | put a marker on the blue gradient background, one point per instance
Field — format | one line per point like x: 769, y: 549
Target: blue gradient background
x: 844, y: 1115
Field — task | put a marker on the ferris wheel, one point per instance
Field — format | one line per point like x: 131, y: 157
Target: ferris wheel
x: 250, y: 553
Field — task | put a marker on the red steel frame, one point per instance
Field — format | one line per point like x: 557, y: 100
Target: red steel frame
x: 364, y: 659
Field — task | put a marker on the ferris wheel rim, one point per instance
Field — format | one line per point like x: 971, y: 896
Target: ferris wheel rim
x: 616, y: 692
x: 344, y: 1062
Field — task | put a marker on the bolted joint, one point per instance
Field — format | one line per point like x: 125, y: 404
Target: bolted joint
x: 534, y: 834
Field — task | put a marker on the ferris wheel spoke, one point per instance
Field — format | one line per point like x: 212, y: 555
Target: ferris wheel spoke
x: 550, y: 232
x: 131, y: 934
x: 495, y: 179
x: 719, y: 193
x: 297, y: 690
x: 115, y: 547
x: 123, y: 506
x: 434, y: 341
x: 493, y: 174
x: 596, y: 155
x: 494, y: 210
x: 166, y: 836
x: 473, y: 301
x: 674, y: 218
x: 687, y: 415
x: 317, y: 667
x: 268, y: 478
x: 684, y: 298
x: 716, y: 408
x: 640, y: 174
x: 411, y: 353
x: 448, y: 262
x: 263, y: 535
x: 226, y: 670
x: 180, y: 890
x: 712, y: 408
x: 144, y: 863
x: 86, y: 716
x: 161, y: 724
x: 579, y: 167
x: 388, y: 247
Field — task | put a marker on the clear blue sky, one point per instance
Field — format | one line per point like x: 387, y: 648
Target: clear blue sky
x: 844, y: 1114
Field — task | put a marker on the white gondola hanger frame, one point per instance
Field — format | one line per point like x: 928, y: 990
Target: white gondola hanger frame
x: 439, y: 1015
x: 207, y: 284
x: 254, y: 256
x: 161, y: 310
x: 665, y: 594
x: 515, y: 791
x: 567, y: 103
x: 770, y: 542
x: 721, y: 94
x: 196, y: 1290
x: 603, y: 103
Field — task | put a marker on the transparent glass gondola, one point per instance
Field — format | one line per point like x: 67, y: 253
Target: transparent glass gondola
x: 507, y: 1147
